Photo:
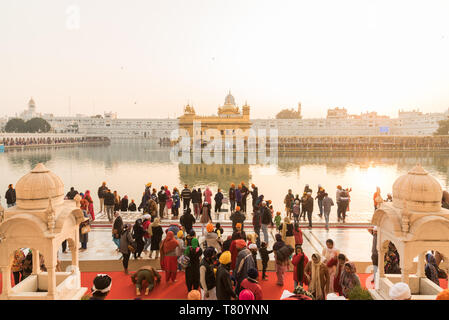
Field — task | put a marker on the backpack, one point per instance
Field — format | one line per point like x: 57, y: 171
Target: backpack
x: 184, y: 261
x: 284, y: 253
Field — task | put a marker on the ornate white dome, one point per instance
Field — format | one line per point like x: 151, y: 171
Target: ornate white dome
x: 35, y: 188
x: 419, y: 189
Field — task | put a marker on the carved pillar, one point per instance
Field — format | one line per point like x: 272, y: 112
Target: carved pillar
x: 382, y: 249
x: 51, y: 269
x: 6, y: 286
x: 51, y: 282
x: 36, y: 262
x: 420, y: 272
x: 75, y: 253
x: 405, y: 268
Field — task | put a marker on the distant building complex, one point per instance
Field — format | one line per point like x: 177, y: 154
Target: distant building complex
x: 230, y: 118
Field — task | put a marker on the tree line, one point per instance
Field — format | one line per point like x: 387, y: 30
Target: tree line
x: 34, y: 125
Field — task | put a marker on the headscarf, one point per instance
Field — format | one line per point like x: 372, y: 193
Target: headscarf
x: 300, y: 266
x: 169, y: 243
x: 240, y: 244
x: 193, y: 245
x: 315, y: 282
x: 209, y: 252
x: 349, y: 279
x: 431, y: 268
x: 279, y: 243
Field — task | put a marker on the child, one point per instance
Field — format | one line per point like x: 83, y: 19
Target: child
x: 296, y: 211
x: 264, y: 254
x: 277, y: 220
x: 218, y: 230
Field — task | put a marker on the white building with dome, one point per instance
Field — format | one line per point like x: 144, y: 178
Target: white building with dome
x: 30, y: 113
x: 415, y: 223
x: 41, y: 221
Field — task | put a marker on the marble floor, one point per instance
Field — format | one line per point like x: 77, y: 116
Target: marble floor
x: 354, y: 242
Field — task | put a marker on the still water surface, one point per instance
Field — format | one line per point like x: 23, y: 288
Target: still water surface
x: 128, y: 167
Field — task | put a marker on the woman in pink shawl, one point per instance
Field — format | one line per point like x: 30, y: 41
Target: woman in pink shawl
x: 207, y: 195
x: 90, y: 207
x: 169, y: 202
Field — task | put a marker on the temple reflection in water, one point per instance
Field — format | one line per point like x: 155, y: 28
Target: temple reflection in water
x: 218, y: 175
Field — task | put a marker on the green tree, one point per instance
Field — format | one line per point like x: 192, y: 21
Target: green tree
x: 15, y: 125
x: 443, y: 129
x: 288, y: 114
x: 37, y: 125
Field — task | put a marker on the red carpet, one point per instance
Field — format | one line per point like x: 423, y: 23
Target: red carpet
x: 123, y: 288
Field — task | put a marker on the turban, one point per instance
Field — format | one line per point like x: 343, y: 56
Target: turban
x: 180, y: 234
x: 210, y: 227
x: 253, y: 273
x: 240, y: 244
x: 400, y: 291
x: 225, y: 258
x: 238, y: 226
x: 246, y: 295
x: 443, y: 295
x: 237, y: 208
x: 333, y: 296
x: 102, y: 283
x: 194, y: 295
x: 209, y: 252
x: 146, y: 216
x: 148, y: 184
x: 252, y: 246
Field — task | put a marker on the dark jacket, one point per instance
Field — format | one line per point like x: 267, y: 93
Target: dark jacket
x: 218, y: 197
x: 224, y: 284
x: 210, y: 276
x: 162, y: 196
x: 232, y: 194
x: 196, y: 197
x: 187, y: 220
x: 10, y: 196
x: 264, y: 255
x: 102, y: 192
x: 308, y: 205
x: 132, y: 207
x: 257, y: 219
x: 266, y: 215
x: 109, y: 199
x: 255, y: 194
x: 118, y: 225
x: 124, y: 204
x: 237, y: 217
x: 70, y: 195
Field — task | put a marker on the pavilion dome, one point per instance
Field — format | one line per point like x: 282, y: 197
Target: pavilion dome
x: 419, y: 190
x: 35, y: 188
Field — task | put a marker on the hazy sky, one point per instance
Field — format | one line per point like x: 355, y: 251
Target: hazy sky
x: 149, y: 58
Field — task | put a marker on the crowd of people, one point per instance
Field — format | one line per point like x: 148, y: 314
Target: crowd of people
x: 223, y: 267
x: 44, y: 141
